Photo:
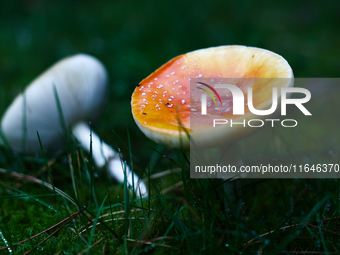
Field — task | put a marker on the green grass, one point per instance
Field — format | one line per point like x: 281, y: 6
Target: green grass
x: 275, y: 215
x: 181, y: 215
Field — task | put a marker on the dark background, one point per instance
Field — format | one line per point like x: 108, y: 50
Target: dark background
x: 133, y: 38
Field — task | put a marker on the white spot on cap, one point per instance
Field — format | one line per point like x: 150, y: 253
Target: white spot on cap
x: 143, y: 94
x: 173, y: 73
x: 183, y: 101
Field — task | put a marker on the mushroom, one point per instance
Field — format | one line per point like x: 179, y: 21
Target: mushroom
x: 162, y: 104
x: 68, y: 95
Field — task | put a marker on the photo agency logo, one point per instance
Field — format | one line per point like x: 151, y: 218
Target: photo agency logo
x: 239, y: 106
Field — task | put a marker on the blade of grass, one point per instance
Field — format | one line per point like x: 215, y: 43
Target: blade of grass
x: 304, y: 221
x: 89, y: 179
x: 133, y: 183
x: 149, y: 196
x: 73, y: 176
x: 131, y: 165
x: 80, y: 176
x: 39, y: 201
x: 48, y: 170
x: 95, y: 223
x: 179, y: 224
x: 93, y: 193
x: 38, y: 181
x: 60, y: 111
x: 126, y: 204
x: 321, y: 234
x: 108, y: 194
x: 172, y: 224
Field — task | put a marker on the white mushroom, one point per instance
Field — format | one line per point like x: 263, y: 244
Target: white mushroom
x: 79, y: 83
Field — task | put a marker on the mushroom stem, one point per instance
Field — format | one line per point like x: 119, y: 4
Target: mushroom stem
x: 103, y: 153
x: 229, y: 155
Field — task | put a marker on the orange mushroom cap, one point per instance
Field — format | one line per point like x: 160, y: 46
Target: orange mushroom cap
x: 161, y: 102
